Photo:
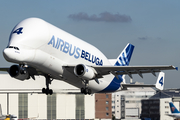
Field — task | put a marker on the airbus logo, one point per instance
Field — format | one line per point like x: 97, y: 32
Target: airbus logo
x: 74, y: 51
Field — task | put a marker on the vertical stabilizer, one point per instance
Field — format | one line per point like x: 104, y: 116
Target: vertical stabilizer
x: 122, y: 60
x: 125, y: 56
x: 160, y: 81
x: 173, y: 108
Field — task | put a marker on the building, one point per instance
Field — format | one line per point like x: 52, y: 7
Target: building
x: 127, y: 104
x: 156, y: 109
x: 103, y: 106
x: 25, y: 100
x: 157, y: 106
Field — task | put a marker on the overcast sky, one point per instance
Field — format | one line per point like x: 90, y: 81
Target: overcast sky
x: 153, y: 27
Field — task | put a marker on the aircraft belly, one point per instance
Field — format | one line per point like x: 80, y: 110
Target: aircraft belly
x: 103, y: 83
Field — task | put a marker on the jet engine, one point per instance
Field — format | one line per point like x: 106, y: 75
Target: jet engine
x: 84, y: 72
x: 19, y: 72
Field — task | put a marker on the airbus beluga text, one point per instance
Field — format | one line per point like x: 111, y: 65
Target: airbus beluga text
x: 40, y: 48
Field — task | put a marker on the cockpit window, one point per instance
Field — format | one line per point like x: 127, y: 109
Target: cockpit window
x: 16, y: 48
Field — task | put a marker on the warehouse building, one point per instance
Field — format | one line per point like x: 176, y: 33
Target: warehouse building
x: 157, y: 107
x: 127, y: 104
x: 25, y: 100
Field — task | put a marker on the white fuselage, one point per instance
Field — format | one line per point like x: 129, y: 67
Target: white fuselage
x: 175, y: 115
x: 48, y: 48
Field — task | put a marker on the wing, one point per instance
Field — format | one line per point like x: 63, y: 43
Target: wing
x: 121, y: 70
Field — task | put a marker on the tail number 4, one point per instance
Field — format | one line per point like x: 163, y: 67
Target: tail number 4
x: 161, y: 81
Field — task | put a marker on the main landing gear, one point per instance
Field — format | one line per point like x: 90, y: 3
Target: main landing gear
x: 47, y: 90
x: 86, y: 90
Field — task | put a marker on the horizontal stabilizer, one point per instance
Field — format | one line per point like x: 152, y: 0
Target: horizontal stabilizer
x: 159, y: 83
x: 125, y: 86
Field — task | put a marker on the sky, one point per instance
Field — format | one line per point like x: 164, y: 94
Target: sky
x: 153, y: 27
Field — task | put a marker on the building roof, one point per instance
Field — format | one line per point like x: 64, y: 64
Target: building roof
x: 169, y: 93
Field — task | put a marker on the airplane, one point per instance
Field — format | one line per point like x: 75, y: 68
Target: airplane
x: 174, y: 112
x: 39, y: 48
x: 8, y: 116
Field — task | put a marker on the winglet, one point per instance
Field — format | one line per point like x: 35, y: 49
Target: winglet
x: 177, y: 68
x: 173, y: 108
x: 160, y: 81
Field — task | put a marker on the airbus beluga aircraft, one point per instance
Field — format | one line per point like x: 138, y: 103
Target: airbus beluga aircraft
x: 39, y: 48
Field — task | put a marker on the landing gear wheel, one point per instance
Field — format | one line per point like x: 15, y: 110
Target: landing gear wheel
x: 50, y: 91
x: 47, y: 91
x: 43, y: 90
x: 89, y: 91
x: 82, y: 90
x: 86, y: 91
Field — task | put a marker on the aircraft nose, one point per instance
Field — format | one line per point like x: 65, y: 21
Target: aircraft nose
x: 8, y: 54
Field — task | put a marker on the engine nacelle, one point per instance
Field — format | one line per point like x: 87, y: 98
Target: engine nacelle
x: 84, y: 72
x: 18, y: 72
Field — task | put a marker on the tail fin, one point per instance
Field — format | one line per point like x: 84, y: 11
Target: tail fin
x: 173, y: 108
x: 125, y: 56
x: 160, y: 81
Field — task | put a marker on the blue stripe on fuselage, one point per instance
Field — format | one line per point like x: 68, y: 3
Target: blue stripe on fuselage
x: 114, y: 85
x: 124, y: 60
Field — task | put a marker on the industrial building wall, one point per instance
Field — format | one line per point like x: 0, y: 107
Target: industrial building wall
x: 90, y: 106
x: 66, y: 106
x: 127, y: 104
x: 164, y: 109
x: 36, y: 106
x: 13, y: 104
x: 39, y: 105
